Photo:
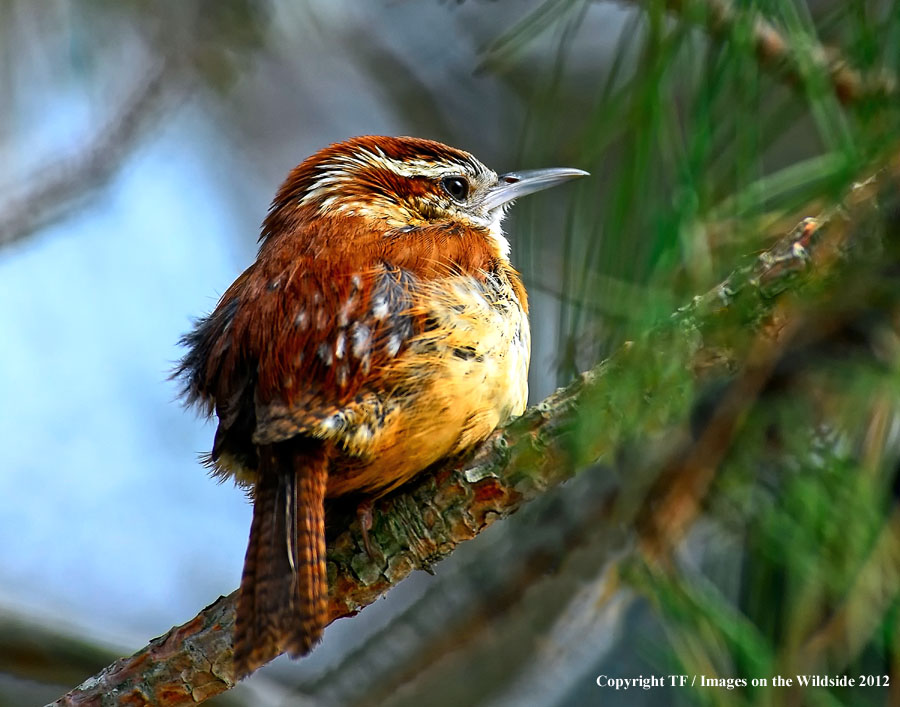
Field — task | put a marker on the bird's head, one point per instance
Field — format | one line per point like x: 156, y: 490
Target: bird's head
x: 402, y: 183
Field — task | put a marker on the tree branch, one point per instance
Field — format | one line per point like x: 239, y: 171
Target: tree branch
x: 51, y: 190
x: 590, y: 420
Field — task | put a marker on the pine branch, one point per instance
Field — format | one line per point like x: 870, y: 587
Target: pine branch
x: 775, y: 51
x: 591, y: 420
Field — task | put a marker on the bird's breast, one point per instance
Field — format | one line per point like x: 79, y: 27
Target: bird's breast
x: 479, y: 333
x: 462, y: 375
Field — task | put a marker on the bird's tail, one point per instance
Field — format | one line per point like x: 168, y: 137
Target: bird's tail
x: 284, y: 588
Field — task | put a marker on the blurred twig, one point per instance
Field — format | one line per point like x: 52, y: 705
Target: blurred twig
x: 51, y: 656
x: 48, y: 194
x: 845, y: 634
x: 776, y: 52
x: 518, y: 463
x: 43, y: 653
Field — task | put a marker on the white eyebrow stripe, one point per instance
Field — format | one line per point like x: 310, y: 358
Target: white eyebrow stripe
x: 341, y: 168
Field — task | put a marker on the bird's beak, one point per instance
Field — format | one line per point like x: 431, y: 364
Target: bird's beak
x: 515, y: 184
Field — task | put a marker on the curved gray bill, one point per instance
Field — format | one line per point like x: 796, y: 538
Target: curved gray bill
x: 515, y: 184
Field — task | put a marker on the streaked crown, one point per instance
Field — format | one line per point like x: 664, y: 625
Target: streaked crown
x: 402, y: 181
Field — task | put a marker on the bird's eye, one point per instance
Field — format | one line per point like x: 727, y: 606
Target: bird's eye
x: 456, y: 187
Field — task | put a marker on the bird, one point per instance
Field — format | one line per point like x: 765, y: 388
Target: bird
x: 381, y: 329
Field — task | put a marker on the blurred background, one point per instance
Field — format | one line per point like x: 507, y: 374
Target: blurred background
x: 140, y: 145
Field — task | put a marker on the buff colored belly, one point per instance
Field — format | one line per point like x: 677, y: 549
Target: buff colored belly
x: 460, y: 380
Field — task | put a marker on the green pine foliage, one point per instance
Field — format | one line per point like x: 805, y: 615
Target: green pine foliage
x: 710, y: 146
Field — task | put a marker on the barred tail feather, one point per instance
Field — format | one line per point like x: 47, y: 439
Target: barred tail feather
x: 283, y: 600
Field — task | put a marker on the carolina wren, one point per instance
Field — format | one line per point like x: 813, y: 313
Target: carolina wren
x: 381, y: 329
